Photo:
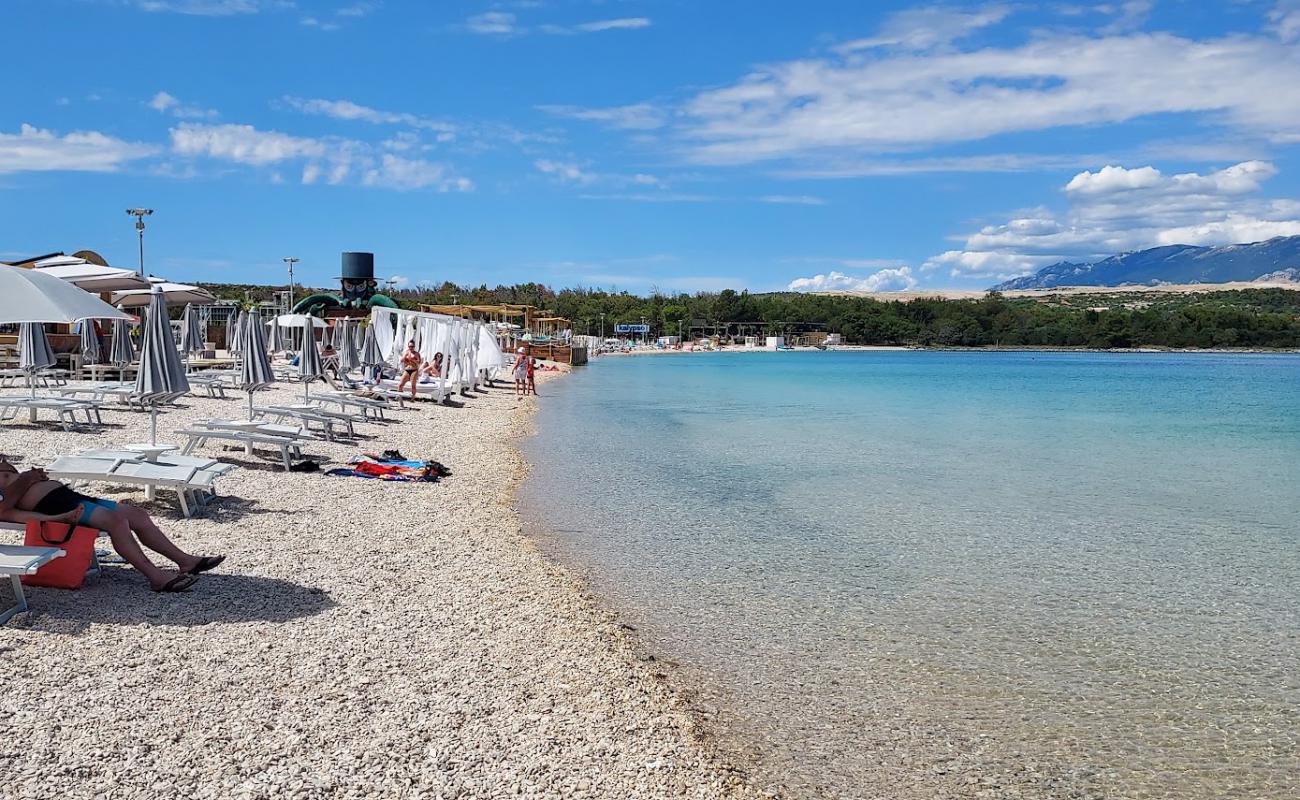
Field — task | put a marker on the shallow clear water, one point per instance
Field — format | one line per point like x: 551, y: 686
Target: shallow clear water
x: 939, y: 574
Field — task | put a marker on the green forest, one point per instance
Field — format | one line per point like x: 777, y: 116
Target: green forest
x: 1252, y: 318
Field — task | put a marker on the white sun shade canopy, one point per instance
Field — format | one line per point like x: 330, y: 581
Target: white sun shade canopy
x: 30, y: 295
x: 91, y: 277
x: 173, y: 293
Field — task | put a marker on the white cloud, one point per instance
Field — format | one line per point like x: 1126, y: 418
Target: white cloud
x: 1285, y: 19
x: 397, y: 282
x: 324, y: 25
x: 348, y: 110
x: 880, y: 101
x: 931, y: 26
x: 394, y: 172
x: 1118, y: 209
x: 564, y: 170
x: 36, y: 150
x: 624, y: 23
x: 164, y: 103
x: 242, y: 144
x: 895, y: 279
x: 360, y: 9
x: 505, y: 24
x: 492, y: 23
x: 637, y: 116
x: 793, y: 199
x: 205, y: 8
x: 1238, y: 179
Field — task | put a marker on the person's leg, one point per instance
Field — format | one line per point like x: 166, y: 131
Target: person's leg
x: 153, y: 538
x: 119, y: 531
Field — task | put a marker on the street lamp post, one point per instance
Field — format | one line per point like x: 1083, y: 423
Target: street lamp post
x: 602, y: 328
x: 290, y: 260
x: 140, y: 214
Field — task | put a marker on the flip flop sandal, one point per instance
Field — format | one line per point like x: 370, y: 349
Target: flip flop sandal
x: 207, y: 563
x: 180, y: 583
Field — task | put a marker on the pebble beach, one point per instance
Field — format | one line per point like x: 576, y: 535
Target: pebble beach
x: 362, y: 639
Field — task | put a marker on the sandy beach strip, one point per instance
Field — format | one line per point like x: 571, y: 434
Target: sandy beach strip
x: 363, y: 639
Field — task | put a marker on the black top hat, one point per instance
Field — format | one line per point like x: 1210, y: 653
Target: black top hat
x: 358, y: 267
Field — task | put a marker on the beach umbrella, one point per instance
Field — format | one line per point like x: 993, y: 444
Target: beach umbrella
x: 172, y: 292
x: 327, y: 337
x: 235, y: 332
x: 161, y: 377
x: 349, y: 358
x: 122, y: 353
x: 34, y: 353
x: 30, y: 295
x: 191, y: 331
x: 255, y: 369
x: 91, y: 352
x: 310, y: 366
x: 277, y: 336
x: 371, y: 354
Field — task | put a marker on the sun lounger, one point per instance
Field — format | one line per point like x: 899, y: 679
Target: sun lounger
x: 194, y: 486
x: 17, y: 561
x: 287, y: 440
x: 370, y: 407
x: 64, y: 409
x: 326, y: 421
x: 428, y: 391
x: 214, y: 385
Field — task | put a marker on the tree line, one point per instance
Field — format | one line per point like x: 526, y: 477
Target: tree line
x: 1255, y: 318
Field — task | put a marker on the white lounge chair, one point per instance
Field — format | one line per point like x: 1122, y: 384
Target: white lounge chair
x: 325, y: 421
x: 19, y: 560
x: 429, y: 391
x: 370, y: 408
x: 64, y: 409
x: 286, y: 439
x: 194, y: 486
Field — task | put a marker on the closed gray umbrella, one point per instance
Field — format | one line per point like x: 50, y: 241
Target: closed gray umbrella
x: 349, y: 358
x: 232, y: 329
x: 235, y: 333
x: 327, y: 337
x: 371, y: 355
x: 255, y: 368
x: 310, y: 367
x: 161, y: 377
x: 191, y: 331
x: 277, y: 336
x: 122, y: 354
x: 91, y: 351
x: 34, y: 353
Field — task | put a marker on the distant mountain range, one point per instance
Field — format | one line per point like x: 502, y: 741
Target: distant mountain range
x: 1277, y: 259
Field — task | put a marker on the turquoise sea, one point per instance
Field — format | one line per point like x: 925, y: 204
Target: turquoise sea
x: 943, y: 574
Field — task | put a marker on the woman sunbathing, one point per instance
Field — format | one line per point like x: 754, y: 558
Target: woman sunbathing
x: 32, y: 495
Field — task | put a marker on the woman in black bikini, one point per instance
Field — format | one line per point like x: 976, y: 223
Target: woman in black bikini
x: 32, y: 495
x: 410, y: 368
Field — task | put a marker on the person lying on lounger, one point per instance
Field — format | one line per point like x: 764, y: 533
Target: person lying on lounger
x: 32, y: 495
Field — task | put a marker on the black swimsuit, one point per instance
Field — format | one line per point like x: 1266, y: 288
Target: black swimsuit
x: 60, y: 500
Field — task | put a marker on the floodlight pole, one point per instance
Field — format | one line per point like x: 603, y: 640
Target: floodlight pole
x: 140, y: 214
x: 290, y: 260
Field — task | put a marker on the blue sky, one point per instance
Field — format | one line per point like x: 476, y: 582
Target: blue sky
x: 634, y: 144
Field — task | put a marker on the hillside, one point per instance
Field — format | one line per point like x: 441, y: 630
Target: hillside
x: 1275, y: 259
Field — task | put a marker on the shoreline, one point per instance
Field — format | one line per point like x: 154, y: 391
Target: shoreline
x: 861, y: 348
x: 337, y: 653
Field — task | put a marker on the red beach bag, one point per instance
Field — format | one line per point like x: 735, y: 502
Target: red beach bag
x: 78, y: 545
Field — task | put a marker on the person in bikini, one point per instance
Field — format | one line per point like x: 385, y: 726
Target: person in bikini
x: 434, y: 368
x: 410, y: 368
x: 32, y: 495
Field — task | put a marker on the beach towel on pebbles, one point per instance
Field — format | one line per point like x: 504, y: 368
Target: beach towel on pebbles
x: 409, y: 470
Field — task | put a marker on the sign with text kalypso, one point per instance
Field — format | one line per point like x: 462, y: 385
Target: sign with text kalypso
x: 631, y: 329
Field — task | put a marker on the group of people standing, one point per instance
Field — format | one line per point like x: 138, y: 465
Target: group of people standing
x: 415, y: 369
